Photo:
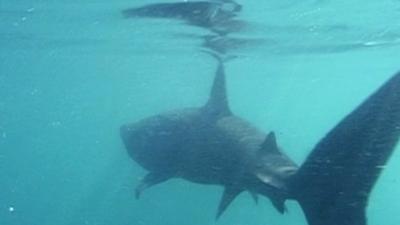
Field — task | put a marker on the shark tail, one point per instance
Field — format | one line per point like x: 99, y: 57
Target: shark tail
x: 334, y: 183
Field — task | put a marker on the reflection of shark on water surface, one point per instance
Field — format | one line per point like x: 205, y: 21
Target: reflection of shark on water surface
x: 210, y: 145
x: 222, y: 18
x: 217, y: 16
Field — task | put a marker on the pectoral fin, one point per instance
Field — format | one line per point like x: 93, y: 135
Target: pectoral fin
x: 149, y: 180
x: 228, y: 196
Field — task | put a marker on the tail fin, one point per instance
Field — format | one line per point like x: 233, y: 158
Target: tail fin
x: 334, y: 183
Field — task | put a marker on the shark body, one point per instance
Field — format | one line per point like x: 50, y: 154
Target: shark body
x: 210, y: 145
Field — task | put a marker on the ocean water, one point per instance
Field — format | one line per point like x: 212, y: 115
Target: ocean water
x: 71, y: 72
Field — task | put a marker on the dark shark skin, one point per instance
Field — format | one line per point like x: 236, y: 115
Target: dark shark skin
x: 210, y: 145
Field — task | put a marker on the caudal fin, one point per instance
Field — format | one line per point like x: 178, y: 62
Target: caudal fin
x: 334, y: 183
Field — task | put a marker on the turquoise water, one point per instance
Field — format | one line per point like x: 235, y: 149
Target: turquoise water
x: 71, y: 72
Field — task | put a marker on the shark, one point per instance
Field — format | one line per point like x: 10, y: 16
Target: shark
x: 211, y: 145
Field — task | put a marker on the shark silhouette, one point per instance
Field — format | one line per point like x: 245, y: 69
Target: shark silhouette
x: 216, y: 15
x: 210, y: 145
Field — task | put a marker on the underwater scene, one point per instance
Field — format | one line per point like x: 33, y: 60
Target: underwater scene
x: 199, y: 112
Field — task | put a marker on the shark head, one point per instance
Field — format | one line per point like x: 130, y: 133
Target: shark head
x: 134, y: 136
x: 148, y: 141
x: 156, y: 142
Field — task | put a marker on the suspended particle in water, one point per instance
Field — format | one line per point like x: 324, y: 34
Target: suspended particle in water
x: 370, y: 43
x: 55, y: 123
x: 11, y: 209
x: 30, y: 10
x: 34, y: 91
x: 4, y: 135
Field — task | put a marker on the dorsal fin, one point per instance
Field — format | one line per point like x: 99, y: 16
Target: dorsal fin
x: 269, y: 143
x: 217, y: 103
